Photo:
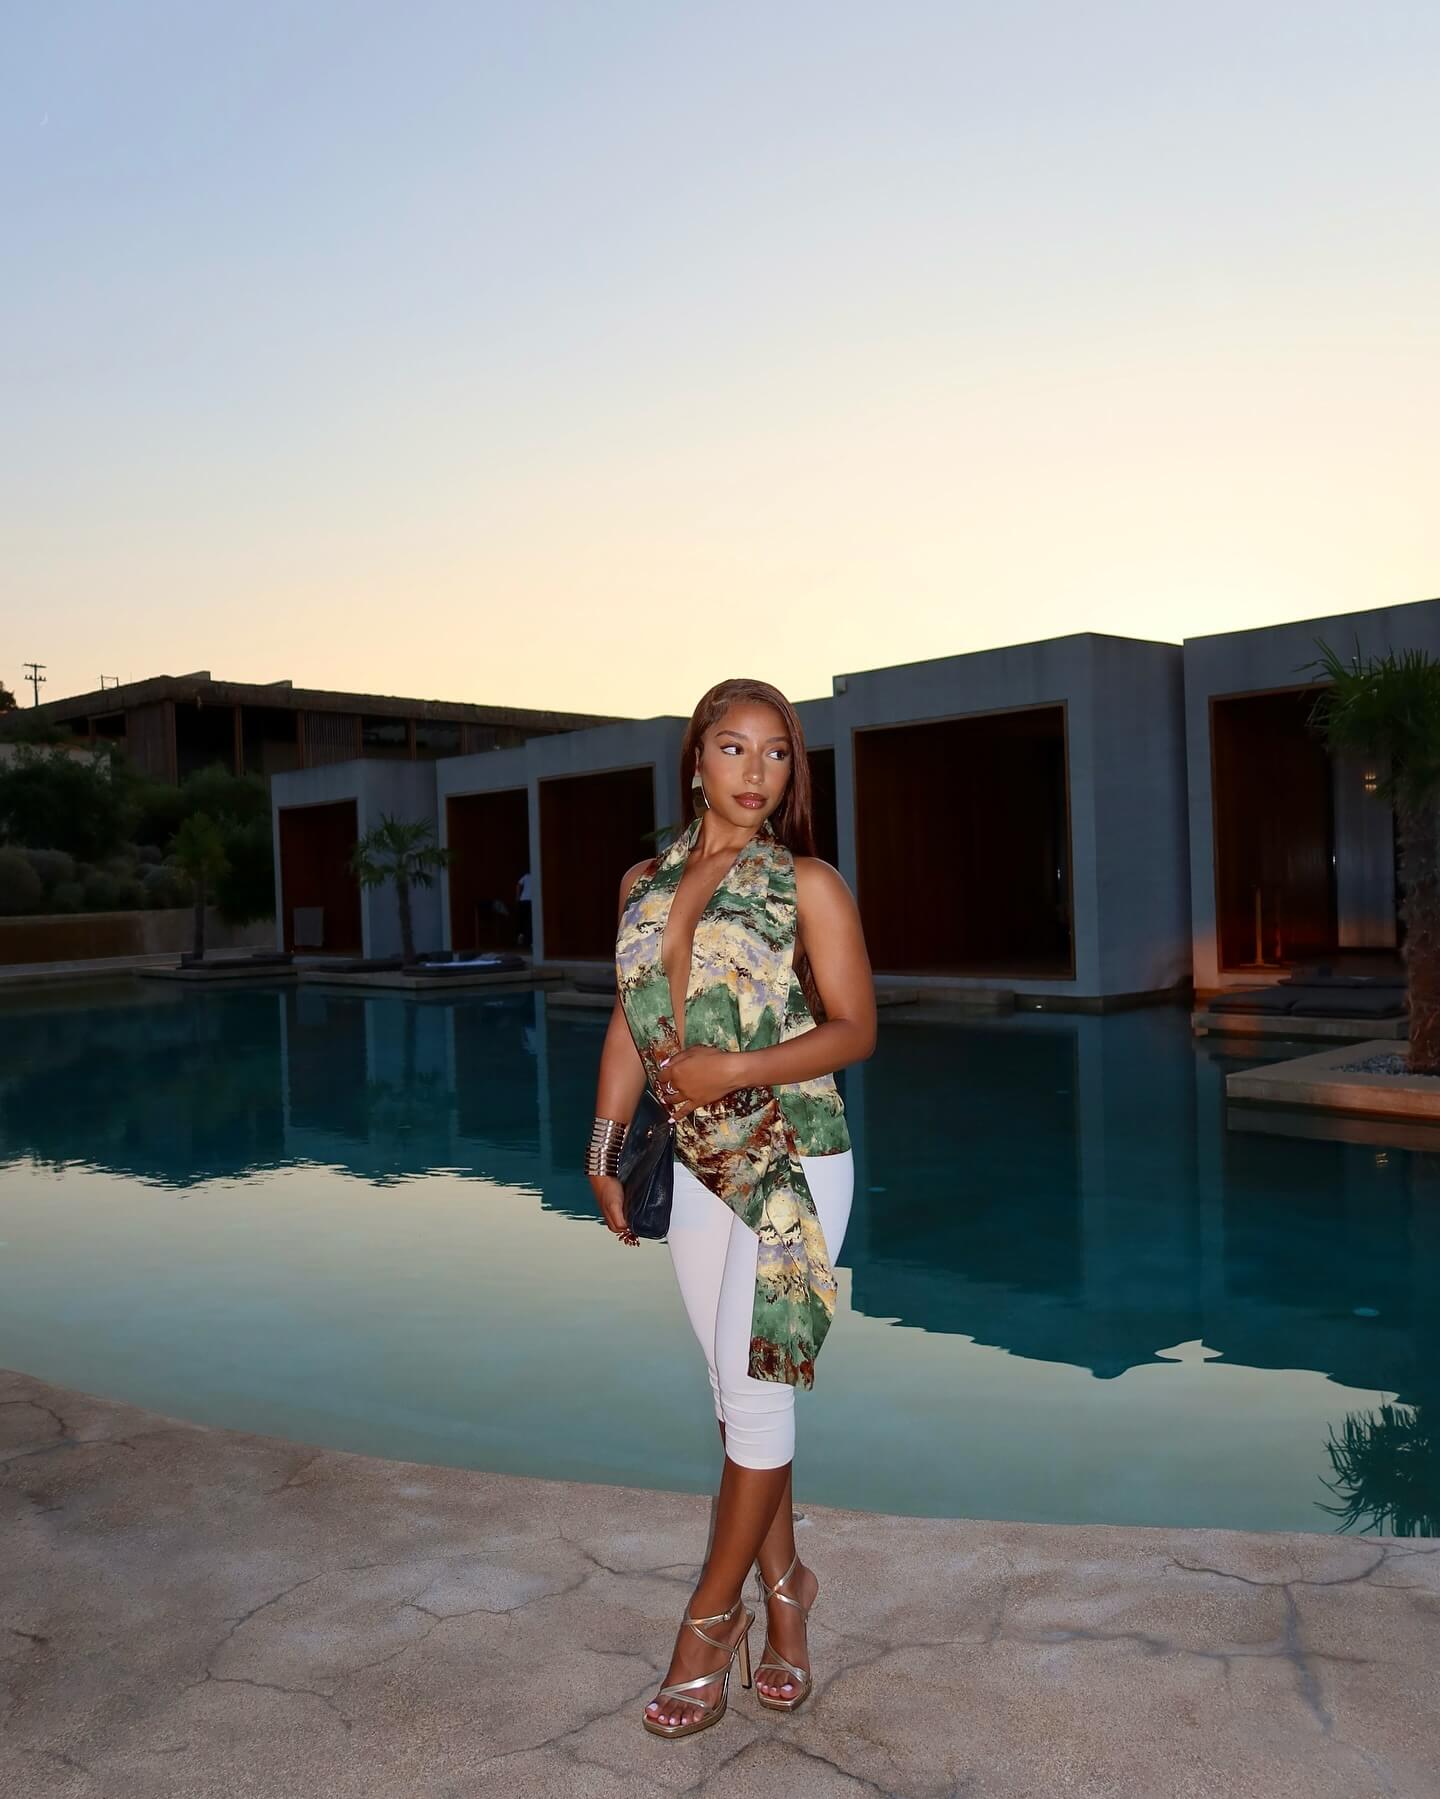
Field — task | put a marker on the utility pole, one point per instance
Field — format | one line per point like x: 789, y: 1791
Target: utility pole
x: 36, y: 678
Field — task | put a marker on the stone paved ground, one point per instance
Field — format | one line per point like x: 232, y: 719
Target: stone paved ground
x: 189, y: 1612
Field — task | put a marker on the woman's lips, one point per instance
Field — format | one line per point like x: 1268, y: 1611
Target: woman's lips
x: 754, y: 800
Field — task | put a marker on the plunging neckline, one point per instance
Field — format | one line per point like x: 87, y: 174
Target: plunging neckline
x: 678, y: 1014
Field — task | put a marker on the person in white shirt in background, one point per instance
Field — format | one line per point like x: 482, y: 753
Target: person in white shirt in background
x: 522, y: 900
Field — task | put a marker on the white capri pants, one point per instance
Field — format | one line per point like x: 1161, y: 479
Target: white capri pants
x: 714, y: 1255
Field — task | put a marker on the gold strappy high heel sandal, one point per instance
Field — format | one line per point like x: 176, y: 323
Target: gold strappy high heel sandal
x: 773, y: 1657
x: 712, y: 1712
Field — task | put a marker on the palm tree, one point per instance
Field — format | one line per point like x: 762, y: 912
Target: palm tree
x: 1387, y: 1467
x: 406, y: 854
x: 1389, y: 706
x: 198, y: 848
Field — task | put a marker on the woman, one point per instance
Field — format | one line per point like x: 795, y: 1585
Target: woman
x: 743, y: 984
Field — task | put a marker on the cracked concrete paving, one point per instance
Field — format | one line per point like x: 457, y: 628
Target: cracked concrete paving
x: 188, y: 1612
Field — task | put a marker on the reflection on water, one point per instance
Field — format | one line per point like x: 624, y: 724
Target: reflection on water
x: 359, y: 1219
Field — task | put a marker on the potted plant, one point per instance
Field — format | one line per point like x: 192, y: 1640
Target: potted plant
x: 406, y: 854
x: 1389, y: 706
x: 198, y: 849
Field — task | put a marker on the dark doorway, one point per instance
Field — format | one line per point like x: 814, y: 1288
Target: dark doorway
x: 822, y: 799
x: 592, y: 827
x: 315, y: 847
x: 1274, y: 832
x: 489, y: 834
x: 962, y: 831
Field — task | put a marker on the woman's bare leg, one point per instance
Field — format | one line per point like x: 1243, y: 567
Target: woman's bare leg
x: 743, y: 1516
x: 786, y: 1626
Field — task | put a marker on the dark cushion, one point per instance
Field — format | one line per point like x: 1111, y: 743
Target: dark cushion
x: 1348, y: 1002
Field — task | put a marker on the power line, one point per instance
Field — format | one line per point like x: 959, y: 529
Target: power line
x: 36, y: 678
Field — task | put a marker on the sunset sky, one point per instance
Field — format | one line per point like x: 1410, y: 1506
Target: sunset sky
x: 580, y: 355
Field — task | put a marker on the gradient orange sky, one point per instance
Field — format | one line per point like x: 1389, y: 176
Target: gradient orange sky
x: 574, y: 356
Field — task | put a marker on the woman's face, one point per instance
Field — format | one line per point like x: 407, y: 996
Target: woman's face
x: 744, y: 755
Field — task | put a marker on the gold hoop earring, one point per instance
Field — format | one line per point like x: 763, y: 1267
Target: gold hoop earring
x: 697, y: 785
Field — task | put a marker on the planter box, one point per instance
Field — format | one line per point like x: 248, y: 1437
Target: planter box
x: 92, y: 936
x: 1322, y: 1081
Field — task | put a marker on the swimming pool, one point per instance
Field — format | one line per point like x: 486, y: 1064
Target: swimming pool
x: 1070, y: 1291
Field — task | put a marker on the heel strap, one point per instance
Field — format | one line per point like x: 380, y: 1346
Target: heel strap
x: 679, y: 1688
x: 714, y: 1618
x: 775, y: 1593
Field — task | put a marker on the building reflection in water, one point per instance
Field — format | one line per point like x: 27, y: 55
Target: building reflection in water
x: 1061, y: 1187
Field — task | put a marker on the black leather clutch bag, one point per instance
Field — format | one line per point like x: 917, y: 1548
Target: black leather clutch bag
x: 646, y: 1167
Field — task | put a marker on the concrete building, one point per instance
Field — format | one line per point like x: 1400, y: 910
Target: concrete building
x: 1292, y: 859
x: 172, y: 725
x: 1083, y: 822
x: 1011, y: 819
x: 1014, y: 818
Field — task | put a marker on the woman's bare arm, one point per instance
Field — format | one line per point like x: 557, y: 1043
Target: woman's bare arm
x: 622, y: 1080
x: 829, y: 928
x: 622, y: 1073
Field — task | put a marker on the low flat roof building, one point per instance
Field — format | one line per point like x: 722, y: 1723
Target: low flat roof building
x: 1293, y: 859
x: 1009, y: 819
x: 172, y: 725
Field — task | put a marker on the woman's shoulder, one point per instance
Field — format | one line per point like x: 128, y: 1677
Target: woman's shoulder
x: 818, y: 879
x: 633, y: 873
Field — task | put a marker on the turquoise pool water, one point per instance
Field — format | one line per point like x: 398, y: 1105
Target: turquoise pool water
x: 1072, y: 1290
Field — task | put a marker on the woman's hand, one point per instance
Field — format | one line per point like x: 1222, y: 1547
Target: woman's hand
x: 610, y: 1197
x: 699, y: 1077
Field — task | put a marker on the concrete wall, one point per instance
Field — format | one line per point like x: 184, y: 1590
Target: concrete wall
x: 93, y: 936
x: 1140, y: 884
x: 1274, y: 656
x: 400, y: 789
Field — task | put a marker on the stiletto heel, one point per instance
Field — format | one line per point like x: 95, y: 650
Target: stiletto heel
x: 710, y: 1712
x: 773, y: 1658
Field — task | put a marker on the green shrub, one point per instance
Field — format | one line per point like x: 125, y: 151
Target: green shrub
x: 52, y: 866
x: 150, y: 854
x: 246, y: 891
x: 54, y: 802
x: 21, y: 891
x: 165, y: 885
x: 103, y: 891
x: 69, y: 896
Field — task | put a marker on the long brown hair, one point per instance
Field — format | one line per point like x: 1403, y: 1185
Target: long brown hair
x: 793, y: 819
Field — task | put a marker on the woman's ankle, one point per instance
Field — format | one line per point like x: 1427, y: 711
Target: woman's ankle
x: 716, y: 1607
x: 773, y: 1575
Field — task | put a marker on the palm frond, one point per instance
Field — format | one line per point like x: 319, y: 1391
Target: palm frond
x: 1388, y: 706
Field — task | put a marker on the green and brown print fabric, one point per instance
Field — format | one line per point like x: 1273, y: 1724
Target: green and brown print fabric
x: 743, y: 993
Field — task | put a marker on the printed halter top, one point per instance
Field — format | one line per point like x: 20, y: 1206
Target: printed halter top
x: 742, y: 992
